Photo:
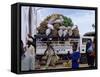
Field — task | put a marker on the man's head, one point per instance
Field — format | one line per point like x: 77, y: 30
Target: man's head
x: 74, y: 46
x: 89, y: 40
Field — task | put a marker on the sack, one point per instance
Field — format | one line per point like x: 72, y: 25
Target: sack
x: 68, y: 63
x: 54, y: 59
x: 44, y: 57
x: 57, y: 57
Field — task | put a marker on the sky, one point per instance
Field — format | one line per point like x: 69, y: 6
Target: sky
x: 83, y: 18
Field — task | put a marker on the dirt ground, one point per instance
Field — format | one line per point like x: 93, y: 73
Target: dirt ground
x: 60, y: 66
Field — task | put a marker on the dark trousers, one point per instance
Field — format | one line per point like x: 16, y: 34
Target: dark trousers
x: 90, y: 60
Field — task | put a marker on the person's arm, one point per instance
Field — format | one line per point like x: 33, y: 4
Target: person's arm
x: 45, y: 51
x: 53, y: 50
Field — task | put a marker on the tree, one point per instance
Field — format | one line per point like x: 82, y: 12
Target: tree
x: 67, y: 21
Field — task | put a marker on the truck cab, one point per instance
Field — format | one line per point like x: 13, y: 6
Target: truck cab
x: 83, y: 41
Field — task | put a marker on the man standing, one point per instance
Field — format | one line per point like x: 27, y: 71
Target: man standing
x: 75, y: 57
x: 89, y: 51
x: 50, y: 53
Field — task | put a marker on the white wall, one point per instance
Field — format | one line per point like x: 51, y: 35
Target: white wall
x: 24, y: 23
x: 5, y: 42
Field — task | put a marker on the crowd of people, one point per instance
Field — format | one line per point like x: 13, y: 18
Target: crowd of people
x: 28, y: 55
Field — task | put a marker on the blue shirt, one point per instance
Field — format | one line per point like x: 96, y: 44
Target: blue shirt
x: 75, y: 58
